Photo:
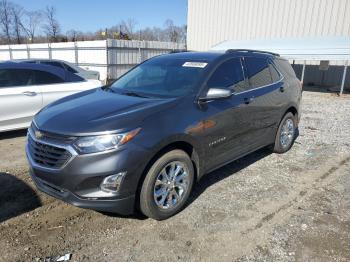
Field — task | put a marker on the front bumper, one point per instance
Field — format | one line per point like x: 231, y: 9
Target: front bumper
x: 123, y: 206
x: 78, y: 181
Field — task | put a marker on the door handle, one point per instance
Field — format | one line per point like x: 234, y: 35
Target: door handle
x: 282, y: 89
x: 29, y: 93
x: 248, y: 100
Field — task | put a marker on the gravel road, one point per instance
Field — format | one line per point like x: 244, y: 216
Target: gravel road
x: 264, y: 207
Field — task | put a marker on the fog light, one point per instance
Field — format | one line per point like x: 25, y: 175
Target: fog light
x: 112, y: 183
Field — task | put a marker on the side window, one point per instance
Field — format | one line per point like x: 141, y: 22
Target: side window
x: 274, y: 74
x: 70, y: 69
x: 229, y: 75
x: 285, y: 68
x: 258, y: 72
x: 16, y: 77
x: 57, y: 64
x: 46, y: 78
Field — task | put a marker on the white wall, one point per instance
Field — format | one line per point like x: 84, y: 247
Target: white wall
x: 213, y: 21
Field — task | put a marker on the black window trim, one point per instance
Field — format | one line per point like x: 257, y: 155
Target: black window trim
x: 256, y: 88
x: 281, y: 76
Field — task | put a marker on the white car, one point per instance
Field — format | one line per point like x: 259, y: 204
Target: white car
x: 26, y: 88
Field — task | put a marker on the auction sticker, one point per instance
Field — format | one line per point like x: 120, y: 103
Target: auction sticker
x: 195, y: 64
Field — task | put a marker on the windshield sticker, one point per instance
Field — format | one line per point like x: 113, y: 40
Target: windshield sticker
x: 195, y: 64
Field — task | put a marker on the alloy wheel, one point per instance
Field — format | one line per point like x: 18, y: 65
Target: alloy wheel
x: 171, y: 185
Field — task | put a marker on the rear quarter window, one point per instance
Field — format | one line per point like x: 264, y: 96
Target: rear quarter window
x: 274, y: 73
x: 52, y: 63
x: 70, y: 69
x: 285, y: 68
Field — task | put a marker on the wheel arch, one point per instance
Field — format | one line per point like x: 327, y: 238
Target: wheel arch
x: 295, y: 112
x: 172, y: 144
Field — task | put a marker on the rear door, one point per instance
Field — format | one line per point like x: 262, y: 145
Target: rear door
x: 20, y: 99
x: 265, y: 95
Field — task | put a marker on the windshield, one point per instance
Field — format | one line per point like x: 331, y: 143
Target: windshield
x: 160, y: 78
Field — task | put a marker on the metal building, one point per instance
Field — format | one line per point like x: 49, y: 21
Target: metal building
x: 213, y: 21
x: 313, y: 34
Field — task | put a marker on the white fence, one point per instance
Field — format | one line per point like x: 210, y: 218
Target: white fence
x: 111, y: 58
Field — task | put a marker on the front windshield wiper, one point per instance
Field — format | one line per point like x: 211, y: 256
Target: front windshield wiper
x: 130, y: 93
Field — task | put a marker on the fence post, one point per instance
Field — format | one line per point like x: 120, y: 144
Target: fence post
x: 139, y: 58
x: 50, y: 51
x: 28, y: 51
x: 343, y: 78
x: 107, y: 63
x: 76, y: 53
x: 10, y: 52
x: 303, y: 73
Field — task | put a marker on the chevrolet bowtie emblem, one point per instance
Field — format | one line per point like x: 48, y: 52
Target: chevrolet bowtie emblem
x: 38, y: 134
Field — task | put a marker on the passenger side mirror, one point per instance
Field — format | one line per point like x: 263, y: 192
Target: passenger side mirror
x: 216, y: 93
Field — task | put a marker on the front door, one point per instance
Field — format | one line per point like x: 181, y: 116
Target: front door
x: 228, y: 119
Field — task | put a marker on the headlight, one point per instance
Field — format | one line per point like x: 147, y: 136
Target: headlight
x: 93, y: 144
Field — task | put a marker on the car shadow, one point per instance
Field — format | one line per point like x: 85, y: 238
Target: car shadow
x: 13, y: 134
x: 228, y: 170
x: 16, y: 197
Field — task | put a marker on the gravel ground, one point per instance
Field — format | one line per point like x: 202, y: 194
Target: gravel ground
x: 264, y: 207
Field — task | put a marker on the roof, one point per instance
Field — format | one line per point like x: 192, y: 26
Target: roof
x: 318, y: 48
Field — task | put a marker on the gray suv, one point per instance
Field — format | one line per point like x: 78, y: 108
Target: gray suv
x: 143, y: 141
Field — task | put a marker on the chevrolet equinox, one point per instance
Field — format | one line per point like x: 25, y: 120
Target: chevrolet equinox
x: 142, y: 142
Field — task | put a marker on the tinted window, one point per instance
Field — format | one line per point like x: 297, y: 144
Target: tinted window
x: 16, y: 77
x: 285, y: 68
x: 228, y: 75
x: 258, y: 72
x: 274, y: 74
x: 57, y: 64
x: 70, y: 69
x: 46, y: 78
x: 161, y: 77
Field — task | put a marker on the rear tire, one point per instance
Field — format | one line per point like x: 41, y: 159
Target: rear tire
x: 167, y: 185
x: 285, y: 135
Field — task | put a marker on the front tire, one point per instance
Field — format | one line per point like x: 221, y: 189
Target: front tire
x: 167, y: 185
x: 285, y: 135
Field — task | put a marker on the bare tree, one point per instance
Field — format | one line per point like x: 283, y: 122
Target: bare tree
x: 128, y: 26
x: 52, y: 27
x: 6, y: 19
x: 74, y: 35
x: 172, y: 31
x: 17, y: 14
x: 31, y: 24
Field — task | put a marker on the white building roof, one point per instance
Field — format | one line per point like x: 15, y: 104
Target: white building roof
x: 320, y: 48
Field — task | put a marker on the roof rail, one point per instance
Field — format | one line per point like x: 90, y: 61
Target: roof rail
x: 250, y: 51
x: 178, y: 51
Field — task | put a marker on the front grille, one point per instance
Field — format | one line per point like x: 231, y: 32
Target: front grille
x: 47, y: 155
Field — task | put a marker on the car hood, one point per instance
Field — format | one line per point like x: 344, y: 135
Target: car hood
x: 96, y: 111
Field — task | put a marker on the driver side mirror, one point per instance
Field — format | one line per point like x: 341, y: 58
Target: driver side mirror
x: 216, y: 93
